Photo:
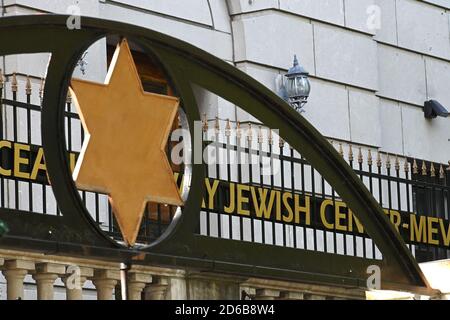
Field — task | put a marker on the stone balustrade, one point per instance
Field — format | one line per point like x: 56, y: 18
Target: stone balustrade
x: 146, y: 282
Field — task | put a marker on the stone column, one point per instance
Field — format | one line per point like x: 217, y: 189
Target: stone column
x: 74, y: 281
x: 157, y: 289
x: 136, y: 283
x: 45, y: 276
x: 267, y: 294
x: 14, y: 272
x: 105, y: 282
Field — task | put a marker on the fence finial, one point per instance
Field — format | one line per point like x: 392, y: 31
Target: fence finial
x: 341, y: 150
x: 424, y: 168
x: 41, y: 89
x: 406, y: 166
x: 28, y: 86
x: 281, y: 142
x: 350, y: 153
x: 369, y: 157
x: 270, y: 137
x: 397, y: 163
x: 228, y: 128
x: 14, y: 83
x: 448, y: 168
x: 360, y: 156
x: 249, y: 132
x: 432, y: 170
x: 415, y: 167
x: 260, y: 135
x: 379, y: 162
x: 238, y: 130
x: 205, y: 123
x: 441, y: 172
x: 388, y: 161
x: 69, y: 97
x: 217, y: 125
x: 1, y: 79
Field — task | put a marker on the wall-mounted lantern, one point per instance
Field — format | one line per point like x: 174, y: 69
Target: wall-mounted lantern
x: 297, y: 86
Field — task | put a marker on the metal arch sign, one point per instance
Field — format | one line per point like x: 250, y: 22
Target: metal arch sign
x: 75, y: 233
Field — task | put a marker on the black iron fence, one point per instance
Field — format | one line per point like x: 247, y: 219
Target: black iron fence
x: 263, y: 191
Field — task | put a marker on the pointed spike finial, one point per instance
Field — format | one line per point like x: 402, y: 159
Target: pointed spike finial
x: 415, y: 167
x: 205, y: 123
x: 228, y: 128
x: 270, y: 137
x: 406, y: 166
x: 369, y: 157
x: 1, y: 79
x: 396, y: 163
x: 441, y: 172
x: 238, y: 130
x: 360, y: 156
x: 250, y: 132
x: 14, y: 83
x: 432, y: 170
x: 69, y: 97
x: 424, y: 168
x: 341, y: 150
x: 281, y: 142
x: 41, y: 89
x: 295, y: 60
x: 379, y: 162
x: 217, y: 125
x: 260, y: 135
x: 28, y: 86
x: 388, y: 161
x: 350, y: 153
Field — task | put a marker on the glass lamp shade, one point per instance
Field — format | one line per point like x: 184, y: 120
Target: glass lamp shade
x: 298, y: 87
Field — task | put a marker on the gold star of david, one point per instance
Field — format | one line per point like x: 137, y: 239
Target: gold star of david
x: 123, y: 154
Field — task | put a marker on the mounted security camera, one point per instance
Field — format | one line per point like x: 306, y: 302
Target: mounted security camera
x: 433, y: 108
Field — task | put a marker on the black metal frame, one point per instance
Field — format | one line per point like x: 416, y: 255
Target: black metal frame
x: 75, y: 233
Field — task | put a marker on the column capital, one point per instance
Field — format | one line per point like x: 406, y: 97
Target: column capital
x: 136, y: 283
x: 157, y: 289
x: 105, y: 281
x: 19, y: 264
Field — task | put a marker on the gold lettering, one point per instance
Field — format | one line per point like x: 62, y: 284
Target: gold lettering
x: 445, y: 235
x: 395, y: 218
x: 241, y: 199
x: 290, y: 217
x: 339, y: 216
x: 39, y: 164
x: 5, y: 172
x: 418, y: 232
x: 323, y: 212
x: 351, y: 217
x: 230, y: 208
x: 18, y: 160
x: 211, y: 192
x: 306, y: 209
x: 261, y: 207
x: 432, y: 230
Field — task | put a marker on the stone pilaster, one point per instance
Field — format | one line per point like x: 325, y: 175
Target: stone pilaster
x: 14, y: 272
x: 105, y: 281
x: 45, y: 276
